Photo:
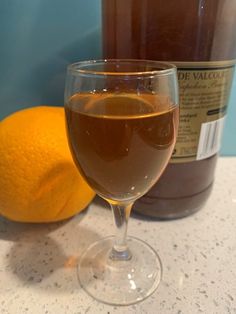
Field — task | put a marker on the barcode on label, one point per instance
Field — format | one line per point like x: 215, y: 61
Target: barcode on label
x: 210, y: 138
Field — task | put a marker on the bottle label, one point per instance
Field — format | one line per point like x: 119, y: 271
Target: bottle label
x: 210, y: 138
x: 204, y: 93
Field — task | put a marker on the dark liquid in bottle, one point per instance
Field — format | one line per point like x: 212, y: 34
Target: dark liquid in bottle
x: 181, y: 31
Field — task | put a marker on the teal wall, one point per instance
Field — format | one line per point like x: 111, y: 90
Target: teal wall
x: 229, y: 137
x: 40, y: 37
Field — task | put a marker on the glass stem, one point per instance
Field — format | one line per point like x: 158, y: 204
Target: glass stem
x: 121, y: 213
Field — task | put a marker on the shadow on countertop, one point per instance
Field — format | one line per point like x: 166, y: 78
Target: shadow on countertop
x: 45, y: 256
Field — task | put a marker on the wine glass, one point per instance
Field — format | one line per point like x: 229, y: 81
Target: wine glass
x: 122, y: 119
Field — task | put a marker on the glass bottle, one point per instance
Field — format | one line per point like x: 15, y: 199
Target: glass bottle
x: 199, y: 37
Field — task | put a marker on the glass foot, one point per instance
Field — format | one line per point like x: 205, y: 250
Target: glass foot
x: 119, y: 282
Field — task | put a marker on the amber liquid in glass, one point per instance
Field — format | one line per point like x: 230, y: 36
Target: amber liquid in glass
x: 121, y: 142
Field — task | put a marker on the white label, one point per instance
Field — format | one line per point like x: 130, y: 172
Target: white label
x: 210, y: 138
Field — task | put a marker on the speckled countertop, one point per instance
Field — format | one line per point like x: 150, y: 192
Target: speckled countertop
x: 37, y: 262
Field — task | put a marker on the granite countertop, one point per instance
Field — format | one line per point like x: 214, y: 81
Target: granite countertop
x: 37, y: 262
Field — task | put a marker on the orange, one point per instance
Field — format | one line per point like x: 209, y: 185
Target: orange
x: 38, y: 179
